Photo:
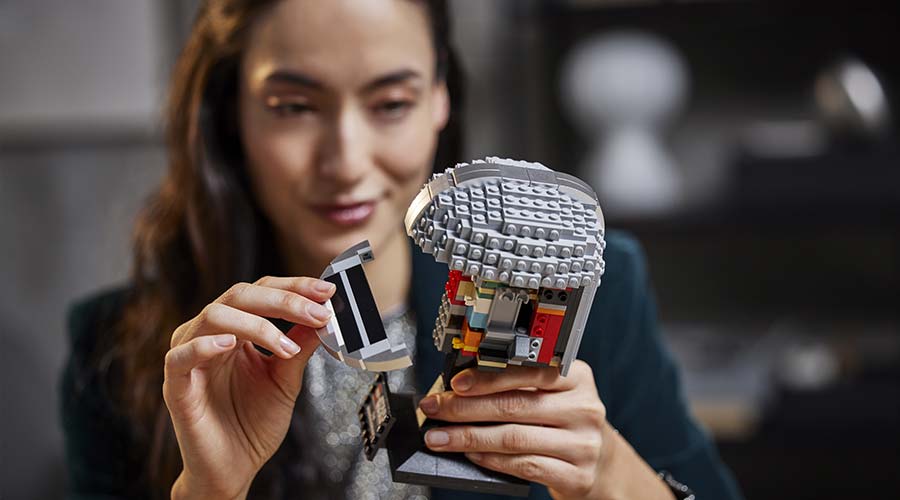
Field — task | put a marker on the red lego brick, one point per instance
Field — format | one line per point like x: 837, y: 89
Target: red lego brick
x: 452, y: 286
x: 546, y: 326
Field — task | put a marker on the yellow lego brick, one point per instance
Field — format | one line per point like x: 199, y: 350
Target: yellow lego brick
x: 554, y: 310
x: 465, y: 291
x: 495, y: 364
x: 485, y: 292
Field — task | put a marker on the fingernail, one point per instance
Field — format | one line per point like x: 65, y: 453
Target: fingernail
x: 319, y: 312
x: 436, y: 438
x: 429, y: 405
x: 324, y: 286
x: 226, y: 341
x: 474, y: 456
x: 289, y: 346
x: 462, y: 382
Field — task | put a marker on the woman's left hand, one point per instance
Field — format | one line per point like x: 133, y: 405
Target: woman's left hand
x: 554, y: 428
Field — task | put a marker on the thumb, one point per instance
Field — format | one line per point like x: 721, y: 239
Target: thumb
x: 291, y: 370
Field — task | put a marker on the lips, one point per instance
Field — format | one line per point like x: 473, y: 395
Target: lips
x: 347, y: 214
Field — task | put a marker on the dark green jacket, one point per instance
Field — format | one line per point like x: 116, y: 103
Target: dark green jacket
x: 635, y: 375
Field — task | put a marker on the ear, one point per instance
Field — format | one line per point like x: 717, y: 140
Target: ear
x: 440, y: 111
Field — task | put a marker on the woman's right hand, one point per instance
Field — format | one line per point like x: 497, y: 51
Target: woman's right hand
x: 230, y: 405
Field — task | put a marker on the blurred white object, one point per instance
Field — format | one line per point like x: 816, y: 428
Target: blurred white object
x: 621, y: 89
x: 851, y: 99
x: 808, y: 366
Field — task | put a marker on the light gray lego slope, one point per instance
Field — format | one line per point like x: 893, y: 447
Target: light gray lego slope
x: 515, y: 222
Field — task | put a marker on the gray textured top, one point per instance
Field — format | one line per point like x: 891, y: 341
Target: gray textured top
x: 333, y: 465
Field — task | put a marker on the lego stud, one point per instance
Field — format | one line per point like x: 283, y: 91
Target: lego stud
x: 493, y: 243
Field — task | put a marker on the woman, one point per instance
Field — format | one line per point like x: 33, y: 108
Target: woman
x: 298, y: 128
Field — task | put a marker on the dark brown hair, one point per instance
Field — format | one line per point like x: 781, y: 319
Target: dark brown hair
x: 203, y: 231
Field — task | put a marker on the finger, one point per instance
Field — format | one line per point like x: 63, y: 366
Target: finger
x: 183, y: 358
x: 276, y: 303
x: 289, y: 373
x: 475, y: 382
x: 315, y: 289
x: 552, y: 472
x: 219, y: 318
x: 514, y: 439
x: 557, y: 409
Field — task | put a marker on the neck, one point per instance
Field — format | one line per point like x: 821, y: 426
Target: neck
x: 388, y: 275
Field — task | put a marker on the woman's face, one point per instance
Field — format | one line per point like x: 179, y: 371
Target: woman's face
x: 339, y: 115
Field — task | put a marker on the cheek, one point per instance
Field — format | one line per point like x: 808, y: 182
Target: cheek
x: 277, y: 164
x: 409, y: 153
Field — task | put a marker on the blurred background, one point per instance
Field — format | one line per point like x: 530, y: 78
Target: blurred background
x: 751, y: 146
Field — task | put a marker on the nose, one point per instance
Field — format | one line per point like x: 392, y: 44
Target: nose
x: 344, y: 152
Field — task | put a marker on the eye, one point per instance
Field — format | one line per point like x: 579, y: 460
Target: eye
x: 286, y: 108
x: 291, y: 108
x: 393, y: 109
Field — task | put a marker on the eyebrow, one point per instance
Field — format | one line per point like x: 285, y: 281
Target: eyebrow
x: 302, y: 80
